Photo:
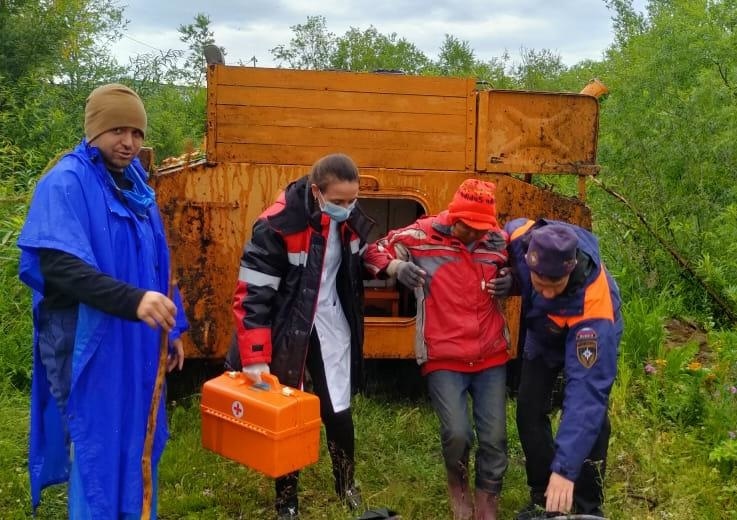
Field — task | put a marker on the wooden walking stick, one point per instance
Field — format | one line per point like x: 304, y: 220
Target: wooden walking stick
x: 153, y: 413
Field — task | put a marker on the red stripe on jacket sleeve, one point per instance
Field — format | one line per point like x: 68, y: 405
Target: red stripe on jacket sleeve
x: 254, y: 344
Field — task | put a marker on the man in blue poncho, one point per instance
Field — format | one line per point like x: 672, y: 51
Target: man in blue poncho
x: 95, y: 255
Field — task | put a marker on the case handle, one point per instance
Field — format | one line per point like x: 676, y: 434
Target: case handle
x: 268, y: 381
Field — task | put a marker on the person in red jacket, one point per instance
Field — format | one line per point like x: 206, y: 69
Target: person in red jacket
x: 454, y: 261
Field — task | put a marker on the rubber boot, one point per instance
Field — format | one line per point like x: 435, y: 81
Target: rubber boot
x: 460, y: 499
x: 535, y: 509
x: 487, y: 505
x: 287, y: 503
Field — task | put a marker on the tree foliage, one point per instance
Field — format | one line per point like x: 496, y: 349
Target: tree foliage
x: 31, y: 38
x: 52, y: 54
x: 539, y: 69
x: 669, y: 128
x: 456, y: 57
x: 85, y: 55
x: 197, y: 35
x: 371, y: 50
x: 311, y: 46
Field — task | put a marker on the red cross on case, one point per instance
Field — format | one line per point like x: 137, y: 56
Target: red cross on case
x: 237, y: 409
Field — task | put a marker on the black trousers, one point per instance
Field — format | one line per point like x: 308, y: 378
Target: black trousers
x: 338, y: 430
x: 534, y: 405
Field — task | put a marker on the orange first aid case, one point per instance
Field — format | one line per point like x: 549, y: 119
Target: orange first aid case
x: 268, y: 427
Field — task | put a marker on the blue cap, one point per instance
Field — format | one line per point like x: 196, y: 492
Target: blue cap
x: 552, y: 250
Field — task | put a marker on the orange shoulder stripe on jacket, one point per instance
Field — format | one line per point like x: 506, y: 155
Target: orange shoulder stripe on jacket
x: 521, y: 230
x: 597, y: 304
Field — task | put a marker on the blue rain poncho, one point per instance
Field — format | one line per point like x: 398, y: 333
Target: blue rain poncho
x: 77, y: 209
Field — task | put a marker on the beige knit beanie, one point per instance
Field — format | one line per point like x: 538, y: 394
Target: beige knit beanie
x: 113, y: 106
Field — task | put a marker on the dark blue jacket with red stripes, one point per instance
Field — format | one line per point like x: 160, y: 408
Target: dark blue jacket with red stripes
x: 280, y: 273
x: 580, y: 330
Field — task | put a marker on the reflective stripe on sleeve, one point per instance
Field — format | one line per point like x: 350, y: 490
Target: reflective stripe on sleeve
x: 258, y: 279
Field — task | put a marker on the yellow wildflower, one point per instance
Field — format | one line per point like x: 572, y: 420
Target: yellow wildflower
x: 693, y: 366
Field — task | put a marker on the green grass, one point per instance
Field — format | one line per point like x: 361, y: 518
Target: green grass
x: 654, y: 472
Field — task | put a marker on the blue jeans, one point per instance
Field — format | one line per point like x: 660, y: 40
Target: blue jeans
x: 449, y: 393
x: 57, y: 330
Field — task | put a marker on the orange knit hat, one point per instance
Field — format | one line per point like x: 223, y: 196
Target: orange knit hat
x: 474, y: 204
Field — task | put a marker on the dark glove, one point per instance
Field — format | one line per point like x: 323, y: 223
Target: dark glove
x: 410, y: 275
x: 502, y: 284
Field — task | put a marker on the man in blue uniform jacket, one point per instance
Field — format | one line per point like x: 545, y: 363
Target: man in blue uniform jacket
x: 571, y: 322
x: 94, y: 253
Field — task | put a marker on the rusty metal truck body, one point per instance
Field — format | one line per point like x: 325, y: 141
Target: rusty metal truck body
x: 414, y: 139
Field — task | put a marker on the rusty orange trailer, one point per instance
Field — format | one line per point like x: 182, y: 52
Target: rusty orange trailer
x: 414, y: 139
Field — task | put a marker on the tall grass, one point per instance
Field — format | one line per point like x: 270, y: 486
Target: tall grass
x: 15, y: 316
x: 644, y: 332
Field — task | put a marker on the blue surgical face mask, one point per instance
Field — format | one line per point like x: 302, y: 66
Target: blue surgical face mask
x: 334, y: 211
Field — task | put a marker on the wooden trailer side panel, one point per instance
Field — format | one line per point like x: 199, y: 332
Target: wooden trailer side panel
x: 291, y: 117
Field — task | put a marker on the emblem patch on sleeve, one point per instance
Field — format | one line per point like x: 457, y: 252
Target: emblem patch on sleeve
x: 587, y: 346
